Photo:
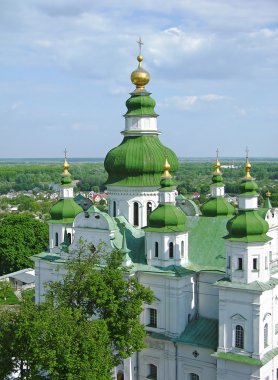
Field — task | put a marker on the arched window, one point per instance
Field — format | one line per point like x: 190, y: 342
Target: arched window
x: 239, y: 337
x: 135, y: 214
x: 266, y: 335
x: 149, y: 208
x: 56, y: 239
x: 182, y: 249
x: 69, y: 237
x: 156, y: 249
x: 152, y: 372
x: 171, y: 250
x: 194, y: 376
x: 120, y: 375
x: 114, y: 209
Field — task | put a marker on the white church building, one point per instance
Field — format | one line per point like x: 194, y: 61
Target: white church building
x: 214, y: 274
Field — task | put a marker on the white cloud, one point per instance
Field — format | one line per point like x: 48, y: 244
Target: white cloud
x: 188, y: 102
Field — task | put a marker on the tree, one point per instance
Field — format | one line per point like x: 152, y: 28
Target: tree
x: 5, y: 289
x: 88, y: 323
x: 21, y: 236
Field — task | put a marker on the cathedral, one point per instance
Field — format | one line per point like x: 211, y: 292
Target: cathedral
x: 214, y: 273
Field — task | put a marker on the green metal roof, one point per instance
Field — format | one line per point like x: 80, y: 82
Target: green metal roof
x: 201, y: 332
x: 64, y: 211
x: 140, y: 104
x: 248, y: 187
x: 217, y: 206
x: 248, y: 226
x: 138, y: 161
x: 207, y: 249
x: 135, y: 240
x: 247, y: 359
x: 255, y: 286
x: 166, y: 218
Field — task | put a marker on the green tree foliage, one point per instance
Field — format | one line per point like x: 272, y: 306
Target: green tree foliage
x: 87, y: 325
x: 5, y: 289
x: 21, y: 236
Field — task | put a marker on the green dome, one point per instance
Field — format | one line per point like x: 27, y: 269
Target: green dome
x: 217, y: 180
x: 166, y: 216
x: 167, y: 183
x: 248, y: 187
x: 217, y: 206
x: 247, y: 226
x: 64, y: 211
x: 66, y: 180
x: 138, y: 161
x: 140, y: 104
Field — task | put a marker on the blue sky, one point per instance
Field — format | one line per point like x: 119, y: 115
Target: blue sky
x: 65, y: 74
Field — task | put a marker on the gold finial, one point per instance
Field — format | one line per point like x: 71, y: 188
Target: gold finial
x: 166, y: 168
x: 217, y: 164
x: 247, y: 166
x: 140, y: 77
x: 66, y: 164
x: 268, y: 194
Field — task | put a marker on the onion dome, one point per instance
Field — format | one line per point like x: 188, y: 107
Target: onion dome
x: 66, y: 209
x: 166, y: 217
x: 140, y: 77
x: 248, y: 186
x: 137, y: 161
x: 65, y: 176
x: 217, y: 205
x: 247, y: 226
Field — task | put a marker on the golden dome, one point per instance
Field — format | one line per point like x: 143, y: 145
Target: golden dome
x: 66, y: 165
x: 217, y: 166
x: 140, y: 77
x: 247, y: 169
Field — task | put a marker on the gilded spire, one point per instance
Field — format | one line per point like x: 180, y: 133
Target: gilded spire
x: 166, y: 168
x: 217, y: 164
x: 66, y: 165
x: 268, y: 194
x: 247, y: 166
x: 140, y: 77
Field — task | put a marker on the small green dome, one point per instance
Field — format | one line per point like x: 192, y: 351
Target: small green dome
x: 138, y: 161
x: 167, y: 215
x: 66, y: 180
x: 217, y: 180
x: 217, y: 206
x: 248, y: 226
x: 167, y: 183
x: 140, y: 104
x: 248, y: 187
x: 64, y: 211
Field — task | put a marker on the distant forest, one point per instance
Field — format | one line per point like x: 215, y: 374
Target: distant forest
x: 192, y: 176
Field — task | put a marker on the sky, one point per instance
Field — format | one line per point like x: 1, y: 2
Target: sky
x: 65, y: 70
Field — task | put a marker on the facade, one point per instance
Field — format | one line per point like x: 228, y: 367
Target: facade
x: 214, y: 274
